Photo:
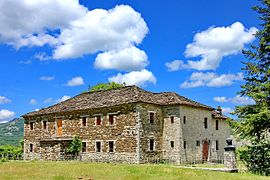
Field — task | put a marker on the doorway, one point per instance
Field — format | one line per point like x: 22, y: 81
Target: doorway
x: 205, y: 150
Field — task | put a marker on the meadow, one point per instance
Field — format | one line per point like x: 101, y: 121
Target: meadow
x: 79, y: 170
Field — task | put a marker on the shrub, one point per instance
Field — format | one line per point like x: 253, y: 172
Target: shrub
x: 256, y: 158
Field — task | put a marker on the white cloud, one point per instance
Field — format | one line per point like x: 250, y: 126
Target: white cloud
x: 73, y: 31
x: 76, y: 81
x: 242, y: 100
x: 221, y: 99
x: 4, y: 100
x: 6, y: 115
x: 215, y: 43
x: 175, y: 65
x: 48, y: 100
x: 29, y: 25
x: 42, y: 56
x: 101, y: 30
x: 129, y: 59
x: 211, y: 79
x: 139, y: 78
x: 46, y: 78
x: 226, y: 110
x: 33, y: 101
x: 64, y: 98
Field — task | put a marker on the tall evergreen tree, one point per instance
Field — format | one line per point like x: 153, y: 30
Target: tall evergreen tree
x: 254, y: 120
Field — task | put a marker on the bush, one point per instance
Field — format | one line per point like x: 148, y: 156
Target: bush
x: 3, y: 160
x: 256, y: 158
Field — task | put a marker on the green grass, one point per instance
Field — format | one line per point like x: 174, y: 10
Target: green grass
x: 75, y: 170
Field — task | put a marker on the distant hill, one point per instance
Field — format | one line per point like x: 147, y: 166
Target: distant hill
x: 11, y: 132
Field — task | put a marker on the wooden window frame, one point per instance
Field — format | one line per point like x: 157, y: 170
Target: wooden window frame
x: 32, y: 124
x: 113, y: 146
x: 152, y: 117
x: 111, y: 121
x: 84, y: 121
x: 84, y: 149
x: 100, y: 148
x: 96, y: 120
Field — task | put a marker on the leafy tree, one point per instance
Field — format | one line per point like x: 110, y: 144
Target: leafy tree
x: 254, y: 120
x: 75, y: 146
x: 105, y: 86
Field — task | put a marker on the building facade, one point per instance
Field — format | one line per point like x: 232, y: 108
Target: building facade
x: 129, y: 125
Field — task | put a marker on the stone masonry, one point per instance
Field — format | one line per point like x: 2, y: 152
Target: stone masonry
x: 147, y: 127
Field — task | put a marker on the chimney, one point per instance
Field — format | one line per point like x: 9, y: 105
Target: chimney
x: 219, y: 110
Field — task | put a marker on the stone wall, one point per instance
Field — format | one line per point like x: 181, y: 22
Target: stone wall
x: 122, y: 132
x: 194, y: 130
x: 172, y: 132
x: 150, y: 131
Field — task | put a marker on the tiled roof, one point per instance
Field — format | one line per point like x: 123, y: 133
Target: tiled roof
x: 114, y: 97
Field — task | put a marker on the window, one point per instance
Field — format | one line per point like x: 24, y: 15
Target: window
x: 185, y: 144
x: 184, y: 119
x: 98, y: 120
x: 197, y: 143
x: 216, y: 124
x: 83, y: 146
x: 111, y: 146
x: 111, y: 119
x: 98, y: 146
x: 84, y: 121
x: 31, y: 148
x: 172, y: 144
x: 151, y: 145
x: 44, y: 124
x: 152, y: 117
x: 217, y: 145
x: 172, y: 119
x: 205, y: 123
x: 31, y: 125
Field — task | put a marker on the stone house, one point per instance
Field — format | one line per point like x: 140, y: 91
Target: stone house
x: 128, y: 124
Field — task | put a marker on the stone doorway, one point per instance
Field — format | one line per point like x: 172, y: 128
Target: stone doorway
x: 205, y: 150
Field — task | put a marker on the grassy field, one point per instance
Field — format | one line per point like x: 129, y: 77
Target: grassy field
x: 78, y: 170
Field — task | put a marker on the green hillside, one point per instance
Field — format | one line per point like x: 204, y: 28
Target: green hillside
x: 11, y: 132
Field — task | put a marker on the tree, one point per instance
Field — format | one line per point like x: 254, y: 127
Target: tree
x: 254, y: 120
x: 105, y: 86
x: 75, y: 146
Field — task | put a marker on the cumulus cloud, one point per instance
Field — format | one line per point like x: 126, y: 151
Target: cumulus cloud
x: 46, y: 78
x: 6, y: 115
x: 30, y: 24
x: 211, y: 79
x: 76, y: 81
x: 213, y: 44
x: 33, y: 101
x: 4, y: 100
x: 101, y: 30
x: 64, y: 98
x: 129, y: 59
x: 73, y: 31
x: 139, y: 78
x: 238, y: 100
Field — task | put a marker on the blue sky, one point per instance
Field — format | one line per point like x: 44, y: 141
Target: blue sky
x: 54, y: 50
